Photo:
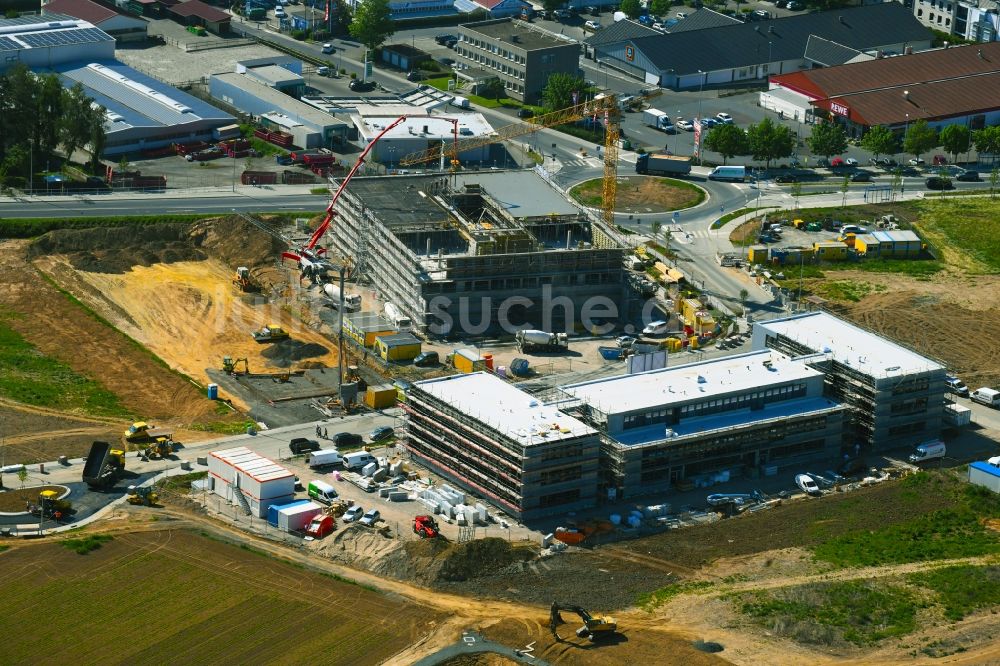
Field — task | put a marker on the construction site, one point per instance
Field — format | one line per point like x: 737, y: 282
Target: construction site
x: 230, y: 411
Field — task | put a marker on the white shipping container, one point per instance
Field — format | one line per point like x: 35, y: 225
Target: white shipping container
x: 295, y: 518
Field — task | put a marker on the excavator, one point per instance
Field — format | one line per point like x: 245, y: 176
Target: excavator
x: 244, y: 281
x: 231, y: 366
x: 594, y: 628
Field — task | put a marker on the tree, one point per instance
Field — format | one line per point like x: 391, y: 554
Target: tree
x: 342, y: 17
x: 920, y: 138
x: 22, y: 475
x: 552, y: 5
x: 655, y: 229
x: 827, y: 139
x: 631, y: 8
x: 372, y: 23
x: 769, y: 141
x: 660, y: 7
x: 558, y: 92
x: 493, y: 89
x: 987, y: 140
x: 75, y: 129
x: 728, y: 141
x: 880, y: 140
x: 845, y: 187
x: 955, y: 139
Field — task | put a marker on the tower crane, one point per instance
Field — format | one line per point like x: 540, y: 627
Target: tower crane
x: 602, y: 105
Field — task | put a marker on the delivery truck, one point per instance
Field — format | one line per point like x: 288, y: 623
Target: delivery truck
x: 660, y: 164
x: 730, y: 174
x: 658, y: 120
x: 324, y: 458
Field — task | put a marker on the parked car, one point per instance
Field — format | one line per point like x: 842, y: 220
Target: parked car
x: 850, y: 161
x: 760, y: 14
x: 853, y: 229
x: 681, y: 16
x: 348, y: 439
x: 795, y: 6
x: 301, y: 445
x: 915, y: 161
x: 938, y: 183
x: 659, y: 26
x: 427, y: 359
x: 593, y: 10
x: 382, y: 433
x: 685, y: 125
x: 563, y: 14
x: 323, y: 71
x: 625, y: 341
x: 371, y: 517
x: 781, y: 4
x: 525, y: 113
x: 445, y: 38
x: 592, y: 25
x: 969, y: 177
x: 786, y: 178
x: 861, y: 177
x: 709, y: 123
x: 357, y: 85
x: 353, y: 513
x: 956, y: 386
x: 279, y: 13
x: 414, y: 76
x: 724, y: 118
x: 655, y: 328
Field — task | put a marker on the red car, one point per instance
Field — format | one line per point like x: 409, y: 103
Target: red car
x: 836, y: 162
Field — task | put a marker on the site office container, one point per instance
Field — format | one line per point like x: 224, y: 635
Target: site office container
x: 272, y: 511
x: 295, y: 518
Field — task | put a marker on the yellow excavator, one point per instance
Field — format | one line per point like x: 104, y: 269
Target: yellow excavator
x: 594, y: 627
x: 231, y: 366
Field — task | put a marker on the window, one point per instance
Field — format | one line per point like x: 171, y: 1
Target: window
x: 561, y: 475
x: 564, y: 497
x: 548, y: 58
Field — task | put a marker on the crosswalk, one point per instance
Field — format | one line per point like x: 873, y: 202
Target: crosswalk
x: 581, y: 162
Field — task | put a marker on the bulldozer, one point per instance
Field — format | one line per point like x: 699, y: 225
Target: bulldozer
x: 142, y: 496
x: 270, y: 333
x: 594, y: 627
x: 231, y: 365
x: 244, y: 281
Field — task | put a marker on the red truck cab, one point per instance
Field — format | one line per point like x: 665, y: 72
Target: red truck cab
x: 320, y: 526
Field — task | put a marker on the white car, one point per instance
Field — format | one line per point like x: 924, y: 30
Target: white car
x: 593, y: 25
x: 328, y: 48
x: 850, y: 161
x: 659, y: 26
x: 655, y: 328
x: 807, y: 484
x: 724, y: 118
x: 354, y: 513
x: 685, y: 125
x: 625, y: 341
x: 279, y: 12
x: 681, y: 16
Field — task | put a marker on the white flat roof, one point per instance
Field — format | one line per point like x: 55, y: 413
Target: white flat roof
x: 504, y: 407
x: 252, y: 464
x: 438, y: 127
x: 863, y: 350
x: 660, y: 388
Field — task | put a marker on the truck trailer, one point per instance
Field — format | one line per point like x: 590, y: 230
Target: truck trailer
x: 530, y: 340
x: 662, y: 165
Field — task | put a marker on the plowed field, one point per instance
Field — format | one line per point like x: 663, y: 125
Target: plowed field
x: 177, y: 598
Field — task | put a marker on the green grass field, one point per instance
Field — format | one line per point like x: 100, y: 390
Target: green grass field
x: 30, y: 377
x: 175, y: 597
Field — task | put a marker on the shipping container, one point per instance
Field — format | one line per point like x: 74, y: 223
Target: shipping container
x: 272, y: 511
x: 399, y: 347
x: 259, y: 480
x: 468, y: 360
x: 295, y: 518
x: 380, y: 397
x: 258, y: 178
x: 986, y: 474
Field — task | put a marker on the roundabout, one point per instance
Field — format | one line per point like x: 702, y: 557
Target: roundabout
x: 639, y: 195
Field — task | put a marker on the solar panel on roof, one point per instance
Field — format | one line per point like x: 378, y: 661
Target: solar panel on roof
x: 63, y: 37
x: 8, y: 44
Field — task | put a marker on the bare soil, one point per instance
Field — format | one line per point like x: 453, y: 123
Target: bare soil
x: 640, y: 194
x: 14, y: 499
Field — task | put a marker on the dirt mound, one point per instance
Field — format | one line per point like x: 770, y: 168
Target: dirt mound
x: 236, y: 242
x: 481, y: 557
x: 282, y: 354
x: 117, y: 249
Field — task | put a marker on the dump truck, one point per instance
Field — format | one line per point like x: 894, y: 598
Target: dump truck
x: 533, y: 340
x: 270, y: 333
x: 104, y: 465
x: 142, y: 432
x: 661, y: 164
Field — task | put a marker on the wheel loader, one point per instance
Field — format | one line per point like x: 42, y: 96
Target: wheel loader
x: 142, y: 495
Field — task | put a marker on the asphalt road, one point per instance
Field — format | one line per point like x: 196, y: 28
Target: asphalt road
x: 177, y: 201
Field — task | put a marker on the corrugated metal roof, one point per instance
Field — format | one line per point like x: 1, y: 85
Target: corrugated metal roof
x: 83, y: 9
x: 903, y: 236
x: 702, y: 19
x: 399, y: 339
x: 620, y: 31
x: 201, y: 10
x: 829, y: 53
x: 746, y: 44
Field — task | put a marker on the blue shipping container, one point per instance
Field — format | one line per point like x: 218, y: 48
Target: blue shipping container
x: 272, y: 511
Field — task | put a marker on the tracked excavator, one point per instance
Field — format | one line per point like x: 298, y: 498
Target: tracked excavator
x: 594, y: 627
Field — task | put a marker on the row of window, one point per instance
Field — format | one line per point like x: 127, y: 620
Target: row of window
x: 715, y: 406
x: 931, y: 18
x: 909, y: 406
x: 486, y: 61
x: 561, y: 475
x: 907, y: 428
x: 556, y: 499
x: 522, y: 283
x: 493, y: 48
x: 944, y: 6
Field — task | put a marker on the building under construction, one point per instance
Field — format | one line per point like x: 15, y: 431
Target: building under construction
x: 499, y: 442
x: 702, y: 423
x: 896, y: 395
x: 451, y: 251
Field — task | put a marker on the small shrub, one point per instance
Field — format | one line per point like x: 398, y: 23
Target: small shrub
x: 86, y: 544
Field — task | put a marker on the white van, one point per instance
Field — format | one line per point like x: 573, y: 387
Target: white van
x: 321, y: 492
x: 323, y: 457
x: 928, y: 451
x: 358, y: 460
x: 987, y: 396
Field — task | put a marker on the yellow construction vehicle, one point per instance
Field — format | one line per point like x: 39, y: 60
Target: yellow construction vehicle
x: 142, y: 495
x: 594, y: 627
x: 140, y: 431
x: 51, y: 506
x: 244, y: 281
x: 160, y: 448
x: 231, y: 365
x: 270, y: 333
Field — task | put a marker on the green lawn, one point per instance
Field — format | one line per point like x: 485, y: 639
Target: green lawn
x: 965, y: 231
x: 30, y: 377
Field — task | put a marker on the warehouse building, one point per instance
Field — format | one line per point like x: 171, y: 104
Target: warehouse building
x: 725, y: 53
x: 478, y: 252
x: 309, y: 126
x: 122, y: 27
x: 895, y: 395
x: 948, y: 86
x: 196, y: 12
x: 501, y: 443
x: 707, y: 422
x: 43, y: 43
x: 520, y: 55
x: 421, y: 130
x: 250, y: 481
